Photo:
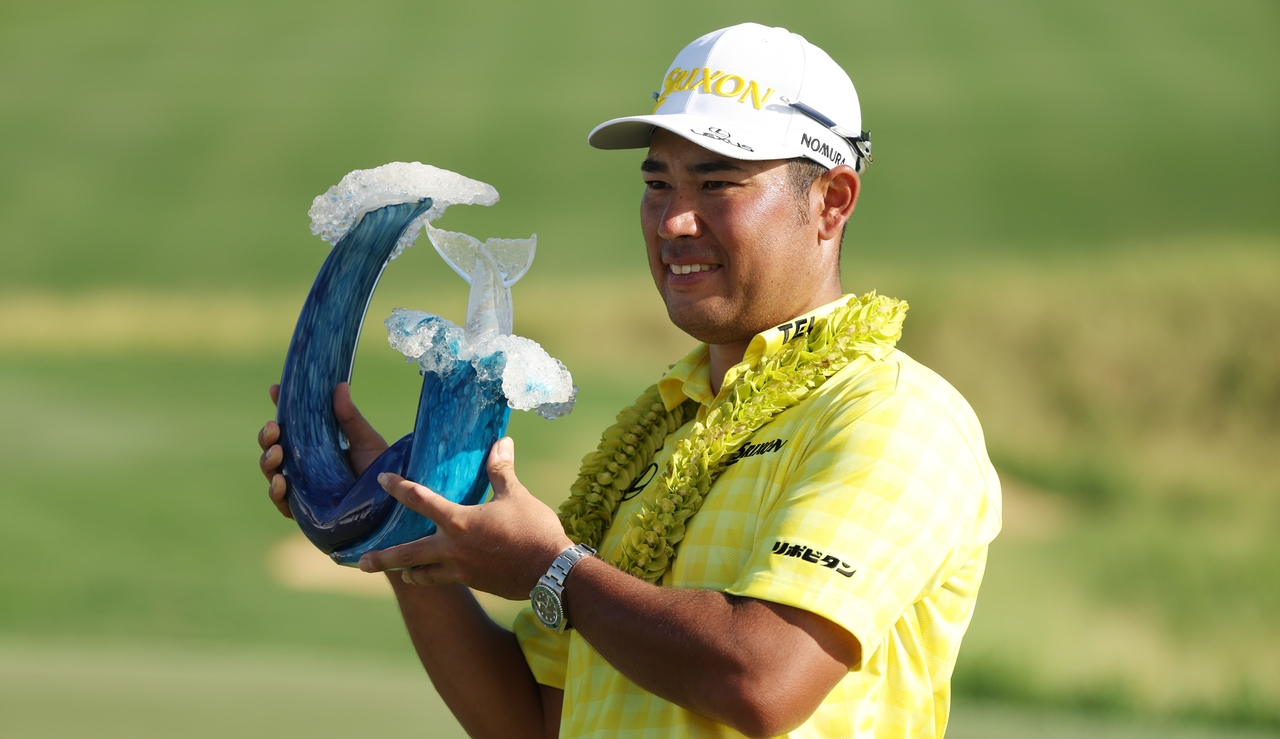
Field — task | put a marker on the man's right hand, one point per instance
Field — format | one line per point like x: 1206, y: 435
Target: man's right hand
x: 366, y: 444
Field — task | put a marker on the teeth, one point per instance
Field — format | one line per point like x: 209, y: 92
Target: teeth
x: 684, y: 269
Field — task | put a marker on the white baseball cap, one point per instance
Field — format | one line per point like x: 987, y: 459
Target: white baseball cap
x: 752, y: 92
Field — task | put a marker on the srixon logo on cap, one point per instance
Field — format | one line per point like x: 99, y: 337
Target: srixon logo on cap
x: 702, y: 79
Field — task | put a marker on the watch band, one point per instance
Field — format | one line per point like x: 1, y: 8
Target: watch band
x: 559, y: 569
x: 548, y: 595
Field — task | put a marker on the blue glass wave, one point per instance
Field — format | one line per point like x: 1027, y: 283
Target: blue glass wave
x: 459, y: 417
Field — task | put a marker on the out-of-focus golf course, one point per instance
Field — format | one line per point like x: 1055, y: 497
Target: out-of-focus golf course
x: 1081, y: 202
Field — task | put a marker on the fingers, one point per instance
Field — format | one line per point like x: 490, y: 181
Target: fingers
x: 269, y: 435
x: 271, y: 460
x: 423, y: 555
x: 502, y: 466
x: 278, y: 491
x: 419, y: 499
x: 277, y: 488
x: 272, y: 455
x: 420, y: 562
x: 499, y: 547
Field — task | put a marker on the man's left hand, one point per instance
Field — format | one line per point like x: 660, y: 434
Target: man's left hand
x: 500, y: 547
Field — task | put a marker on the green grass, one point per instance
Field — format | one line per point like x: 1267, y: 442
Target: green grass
x: 1078, y: 201
x: 984, y: 720
x: 1131, y: 414
x: 139, y: 691
x: 176, y: 145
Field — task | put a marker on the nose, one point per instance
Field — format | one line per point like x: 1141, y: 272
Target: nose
x: 679, y: 218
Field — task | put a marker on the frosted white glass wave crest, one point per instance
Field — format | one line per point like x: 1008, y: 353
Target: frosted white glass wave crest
x: 531, y: 378
x: 342, y: 206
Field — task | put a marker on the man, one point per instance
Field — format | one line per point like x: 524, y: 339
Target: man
x: 809, y: 537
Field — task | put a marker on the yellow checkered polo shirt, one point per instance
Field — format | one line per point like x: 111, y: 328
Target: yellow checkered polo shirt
x: 870, y: 503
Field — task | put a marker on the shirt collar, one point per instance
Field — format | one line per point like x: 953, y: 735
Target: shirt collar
x: 690, y: 378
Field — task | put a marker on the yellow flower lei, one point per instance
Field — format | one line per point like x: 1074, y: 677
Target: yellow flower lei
x: 869, y: 326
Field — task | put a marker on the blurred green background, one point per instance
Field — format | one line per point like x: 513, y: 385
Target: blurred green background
x: 1079, y: 200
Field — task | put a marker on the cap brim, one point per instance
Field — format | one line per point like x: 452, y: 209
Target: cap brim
x: 635, y: 132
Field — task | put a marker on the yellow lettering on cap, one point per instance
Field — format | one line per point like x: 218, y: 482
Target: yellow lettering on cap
x: 718, y: 87
x: 754, y: 92
x: 705, y: 82
x: 681, y: 80
x: 673, y: 83
x: 675, y: 80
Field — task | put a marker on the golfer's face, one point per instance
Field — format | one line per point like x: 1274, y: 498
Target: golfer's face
x: 727, y: 240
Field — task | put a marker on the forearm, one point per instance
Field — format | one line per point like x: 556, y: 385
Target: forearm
x: 760, y: 667
x: 752, y: 665
x: 475, y: 665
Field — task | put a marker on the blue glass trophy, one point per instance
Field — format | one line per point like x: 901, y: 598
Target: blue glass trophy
x: 472, y: 375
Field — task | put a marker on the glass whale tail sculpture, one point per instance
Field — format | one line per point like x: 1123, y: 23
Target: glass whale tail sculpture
x: 472, y: 375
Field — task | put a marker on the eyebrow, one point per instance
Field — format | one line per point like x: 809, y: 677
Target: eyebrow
x: 714, y: 165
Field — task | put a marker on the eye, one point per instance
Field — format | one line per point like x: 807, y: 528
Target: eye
x: 715, y: 185
x: 656, y: 184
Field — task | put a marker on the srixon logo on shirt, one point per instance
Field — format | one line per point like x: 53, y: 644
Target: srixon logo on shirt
x: 750, y: 450
x: 807, y: 554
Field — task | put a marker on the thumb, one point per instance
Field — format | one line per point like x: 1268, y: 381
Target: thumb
x: 359, y: 432
x: 502, y: 466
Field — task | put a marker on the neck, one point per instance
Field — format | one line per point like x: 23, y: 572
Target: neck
x: 724, y: 356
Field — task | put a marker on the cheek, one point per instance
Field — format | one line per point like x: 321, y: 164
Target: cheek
x: 765, y: 230
x: 652, y: 244
x: 651, y: 204
x: 649, y: 215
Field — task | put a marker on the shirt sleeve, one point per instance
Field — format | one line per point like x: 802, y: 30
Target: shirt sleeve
x: 546, y: 651
x: 888, y: 499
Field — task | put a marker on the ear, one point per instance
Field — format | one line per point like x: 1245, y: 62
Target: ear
x: 839, y: 189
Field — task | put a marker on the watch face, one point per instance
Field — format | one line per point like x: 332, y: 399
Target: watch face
x: 546, y: 606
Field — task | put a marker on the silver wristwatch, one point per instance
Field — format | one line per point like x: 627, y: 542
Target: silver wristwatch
x: 548, y: 595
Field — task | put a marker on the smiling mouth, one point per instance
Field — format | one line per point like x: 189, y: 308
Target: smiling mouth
x: 686, y: 269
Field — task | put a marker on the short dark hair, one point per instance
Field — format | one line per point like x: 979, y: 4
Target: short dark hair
x: 801, y: 174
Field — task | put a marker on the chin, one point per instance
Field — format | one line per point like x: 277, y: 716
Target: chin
x: 709, y: 325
